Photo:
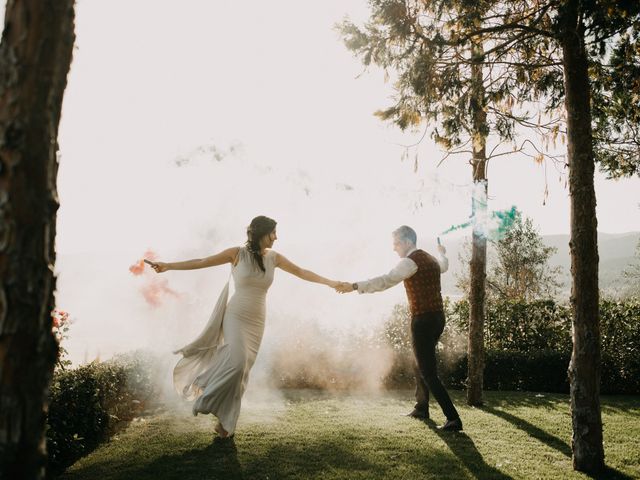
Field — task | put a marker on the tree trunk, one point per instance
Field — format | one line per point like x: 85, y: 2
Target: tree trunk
x: 35, y: 55
x: 584, y: 370
x: 478, y: 267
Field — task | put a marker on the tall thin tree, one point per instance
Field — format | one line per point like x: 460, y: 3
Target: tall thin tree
x: 467, y: 96
x: 478, y: 264
x: 556, y: 49
x: 579, y: 34
x: 584, y: 371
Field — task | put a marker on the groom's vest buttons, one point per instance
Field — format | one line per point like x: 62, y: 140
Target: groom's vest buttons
x: 423, y: 287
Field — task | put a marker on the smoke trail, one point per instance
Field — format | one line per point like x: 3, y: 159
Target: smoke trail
x: 505, y: 218
x: 453, y: 228
x: 155, y: 289
x: 498, y: 223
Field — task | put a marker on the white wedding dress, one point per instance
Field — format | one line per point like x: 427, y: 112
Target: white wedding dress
x: 215, y: 367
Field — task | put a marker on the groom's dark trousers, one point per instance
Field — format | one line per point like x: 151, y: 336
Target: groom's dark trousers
x: 426, y: 329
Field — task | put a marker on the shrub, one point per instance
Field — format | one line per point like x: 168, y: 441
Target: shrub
x: 620, y: 340
x: 528, y: 346
x: 537, y: 371
x: 89, y: 403
x: 518, y: 326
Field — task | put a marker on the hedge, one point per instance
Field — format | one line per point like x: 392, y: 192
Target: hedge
x: 90, y: 403
x: 528, y: 346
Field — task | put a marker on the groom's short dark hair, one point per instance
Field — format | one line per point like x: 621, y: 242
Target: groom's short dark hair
x: 406, y: 233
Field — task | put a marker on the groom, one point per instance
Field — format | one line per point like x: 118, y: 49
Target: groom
x: 421, y: 275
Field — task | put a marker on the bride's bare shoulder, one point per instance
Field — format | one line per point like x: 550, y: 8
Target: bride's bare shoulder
x: 273, y: 255
x: 232, y: 252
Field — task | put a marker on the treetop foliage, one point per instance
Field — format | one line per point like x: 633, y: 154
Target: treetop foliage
x: 432, y: 46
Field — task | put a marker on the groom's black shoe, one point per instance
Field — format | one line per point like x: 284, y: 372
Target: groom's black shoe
x: 452, y: 425
x: 419, y: 414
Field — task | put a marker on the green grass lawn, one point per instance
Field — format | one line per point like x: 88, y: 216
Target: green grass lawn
x: 311, y: 435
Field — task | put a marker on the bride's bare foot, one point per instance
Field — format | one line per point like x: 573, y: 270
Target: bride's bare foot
x: 222, y: 433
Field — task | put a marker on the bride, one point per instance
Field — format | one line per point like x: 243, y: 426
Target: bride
x: 215, y: 367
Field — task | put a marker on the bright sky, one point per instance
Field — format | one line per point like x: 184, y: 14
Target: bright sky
x: 153, y: 81
x: 156, y: 81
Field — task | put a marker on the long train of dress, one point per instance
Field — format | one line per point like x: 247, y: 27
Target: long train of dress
x: 215, y: 367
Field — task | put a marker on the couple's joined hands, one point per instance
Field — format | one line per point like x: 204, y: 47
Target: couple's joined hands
x: 342, y: 287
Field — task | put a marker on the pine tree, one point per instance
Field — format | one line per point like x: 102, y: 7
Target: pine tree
x: 518, y: 265
x: 448, y: 85
x: 521, y: 271
x: 547, y: 52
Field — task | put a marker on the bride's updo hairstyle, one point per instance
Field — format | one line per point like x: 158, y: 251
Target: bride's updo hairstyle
x: 259, y: 227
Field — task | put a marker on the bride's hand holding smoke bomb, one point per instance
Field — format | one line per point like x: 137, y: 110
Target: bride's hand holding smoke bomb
x: 159, y: 267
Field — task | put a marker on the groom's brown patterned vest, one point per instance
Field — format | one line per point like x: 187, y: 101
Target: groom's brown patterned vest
x: 423, y: 287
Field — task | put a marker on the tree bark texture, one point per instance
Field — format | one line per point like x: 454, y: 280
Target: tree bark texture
x: 584, y: 370
x: 35, y: 55
x: 477, y: 274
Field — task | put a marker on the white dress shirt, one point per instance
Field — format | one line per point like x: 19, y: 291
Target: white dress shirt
x: 403, y: 270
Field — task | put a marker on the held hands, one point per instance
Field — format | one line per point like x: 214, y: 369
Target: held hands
x: 159, y: 267
x: 442, y: 250
x: 341, y: 287
x: 344, y: 287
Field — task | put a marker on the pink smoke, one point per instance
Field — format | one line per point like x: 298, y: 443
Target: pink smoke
x: 155, y: 290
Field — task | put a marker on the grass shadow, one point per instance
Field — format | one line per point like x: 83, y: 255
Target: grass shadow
x: 554, y: 442
x: 535, y: 432
x: 216, y: 461
x: 221, y: 461
x: 616, y: 404
x: 337, y: 457
x: 609, y: 473
x: 466, y: 451
x: 526, y: 399
x: 288, y: 460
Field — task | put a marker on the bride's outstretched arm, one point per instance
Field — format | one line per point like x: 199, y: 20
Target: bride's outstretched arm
x: 290, y: 267
x: 226, y: 256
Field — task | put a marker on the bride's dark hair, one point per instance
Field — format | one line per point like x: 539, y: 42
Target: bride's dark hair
x: 259, y: 227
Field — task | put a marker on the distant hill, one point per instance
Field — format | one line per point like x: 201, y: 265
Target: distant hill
x: 616, y: 251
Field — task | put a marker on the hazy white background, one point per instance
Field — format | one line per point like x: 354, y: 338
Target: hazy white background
x: 270, y: 87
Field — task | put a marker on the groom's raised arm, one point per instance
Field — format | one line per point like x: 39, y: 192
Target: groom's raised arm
x: 405, y: 269
x: 443, y: 261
